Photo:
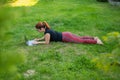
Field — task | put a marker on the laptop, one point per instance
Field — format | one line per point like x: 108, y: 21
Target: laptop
x: 25, y: 38
x: 28, y: 42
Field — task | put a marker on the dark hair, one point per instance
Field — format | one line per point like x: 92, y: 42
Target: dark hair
x: 40, y: 25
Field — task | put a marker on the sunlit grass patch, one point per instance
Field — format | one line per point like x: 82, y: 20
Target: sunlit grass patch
x: 24, y: 3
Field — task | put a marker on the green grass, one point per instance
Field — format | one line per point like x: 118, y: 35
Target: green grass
x: 66, y: 61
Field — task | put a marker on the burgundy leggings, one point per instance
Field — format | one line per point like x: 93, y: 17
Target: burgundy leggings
x: 69, y: 37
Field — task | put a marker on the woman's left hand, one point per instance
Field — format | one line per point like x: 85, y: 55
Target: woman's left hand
x: 36, y: 39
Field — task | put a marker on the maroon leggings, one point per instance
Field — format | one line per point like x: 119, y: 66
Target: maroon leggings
x: 69, y: 37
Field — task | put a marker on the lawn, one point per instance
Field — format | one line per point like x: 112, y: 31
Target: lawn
x: 65, y: 61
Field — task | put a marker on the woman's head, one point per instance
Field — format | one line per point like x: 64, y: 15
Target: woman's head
x: 40, y: 25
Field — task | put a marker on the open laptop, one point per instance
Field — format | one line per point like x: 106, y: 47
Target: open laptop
x: 25, y: 38
x: 28, y: 42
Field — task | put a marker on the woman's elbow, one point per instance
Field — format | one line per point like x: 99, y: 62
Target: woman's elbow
x: 47, y: 43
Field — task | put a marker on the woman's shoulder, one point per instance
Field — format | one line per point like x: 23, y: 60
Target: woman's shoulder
x: 49, y: 31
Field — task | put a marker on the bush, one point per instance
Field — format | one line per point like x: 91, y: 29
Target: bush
x: 102, y: 0
x: 10, y: 58
x: 6, y: 1
x: 116, y: 0
x: 112, y: 37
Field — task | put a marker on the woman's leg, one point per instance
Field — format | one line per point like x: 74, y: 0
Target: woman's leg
x: 69, y: 37
x: 84, y: 37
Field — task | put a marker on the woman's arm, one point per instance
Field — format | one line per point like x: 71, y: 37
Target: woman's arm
x: 39, y: 39
x: 47, y: 40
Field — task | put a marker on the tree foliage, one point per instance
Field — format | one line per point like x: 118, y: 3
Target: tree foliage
x: 102, y: 0
x: 6, y: 1
x: 9, y: 58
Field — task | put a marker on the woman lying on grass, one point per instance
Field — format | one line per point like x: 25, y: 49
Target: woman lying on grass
x: 51, y: 35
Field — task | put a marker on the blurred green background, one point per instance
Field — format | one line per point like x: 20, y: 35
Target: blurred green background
x: 59, y: 61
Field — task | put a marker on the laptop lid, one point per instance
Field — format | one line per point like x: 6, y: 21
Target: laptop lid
x: 25, y: 38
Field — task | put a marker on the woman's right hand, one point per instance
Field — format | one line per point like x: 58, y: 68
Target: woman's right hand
x: 35, y: 42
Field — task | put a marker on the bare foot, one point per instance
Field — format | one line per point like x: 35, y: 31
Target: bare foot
x: 95, y: 38
x: 98, y: 41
